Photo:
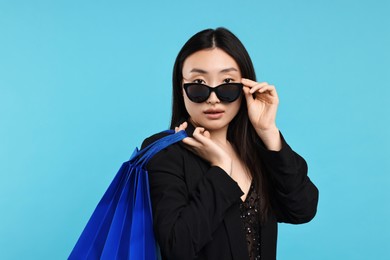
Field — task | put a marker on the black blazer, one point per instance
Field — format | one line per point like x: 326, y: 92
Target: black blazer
x: 196, y: 207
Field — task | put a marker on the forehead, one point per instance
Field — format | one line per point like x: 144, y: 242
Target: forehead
x: 210, y: 61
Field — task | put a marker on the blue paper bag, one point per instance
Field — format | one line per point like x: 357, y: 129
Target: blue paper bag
x: 121, y: 227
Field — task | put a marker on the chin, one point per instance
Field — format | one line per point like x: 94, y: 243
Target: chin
x: 214, y: 125
x: 210, y: 125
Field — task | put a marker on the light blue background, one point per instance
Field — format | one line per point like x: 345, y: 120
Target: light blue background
x: 84, y: 82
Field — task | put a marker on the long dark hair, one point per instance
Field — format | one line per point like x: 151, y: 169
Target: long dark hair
x: 240, y: 131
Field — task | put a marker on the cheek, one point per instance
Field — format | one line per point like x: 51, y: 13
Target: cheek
x: 190, y: 106
x: 236, y: 107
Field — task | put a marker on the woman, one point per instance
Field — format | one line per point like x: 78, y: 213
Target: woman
x: 220, y: 192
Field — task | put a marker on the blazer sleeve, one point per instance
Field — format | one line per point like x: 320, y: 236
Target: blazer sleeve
x: 293, y: 196
x: 184, y: 221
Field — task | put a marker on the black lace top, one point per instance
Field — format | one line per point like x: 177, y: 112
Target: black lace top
x: 250, y: 217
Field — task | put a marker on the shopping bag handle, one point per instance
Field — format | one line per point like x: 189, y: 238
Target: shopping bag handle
x: 142, y: 157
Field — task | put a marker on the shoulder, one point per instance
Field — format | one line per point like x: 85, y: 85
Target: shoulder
x: 151, y: 139
x: 171, y: 157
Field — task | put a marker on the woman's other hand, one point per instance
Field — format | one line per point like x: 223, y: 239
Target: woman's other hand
x: 262, y: 102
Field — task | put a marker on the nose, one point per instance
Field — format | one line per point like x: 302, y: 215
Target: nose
x: 213, y: 99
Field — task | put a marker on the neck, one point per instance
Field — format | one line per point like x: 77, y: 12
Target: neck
x: 219, y: 136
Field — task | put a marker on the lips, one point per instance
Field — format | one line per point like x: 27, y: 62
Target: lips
x: 213, y: 113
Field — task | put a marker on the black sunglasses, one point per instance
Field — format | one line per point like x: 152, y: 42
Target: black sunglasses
x: 227, y: 92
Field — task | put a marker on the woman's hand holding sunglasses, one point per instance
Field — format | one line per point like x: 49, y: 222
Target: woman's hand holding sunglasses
x: 262, y: 101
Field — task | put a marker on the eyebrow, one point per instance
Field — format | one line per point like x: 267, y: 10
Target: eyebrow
x: 198, y: 71
x: 195, y: 70
x: 228, y: 70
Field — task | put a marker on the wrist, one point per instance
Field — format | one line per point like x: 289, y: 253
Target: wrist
x: 225, y: 164
x: 267, y: 132
x: 271, y: 138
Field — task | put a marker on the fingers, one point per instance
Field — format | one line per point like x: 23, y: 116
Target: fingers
x: 183, y: 126
x: 191, y: 142
x: 260, y: 87
x: 201, y: 135
x: 199, y: 138
x: 259, y: 91
x: 251, y: 83
x: 248, y: 95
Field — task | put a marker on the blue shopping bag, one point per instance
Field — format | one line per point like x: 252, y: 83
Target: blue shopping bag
x: 121, y: 226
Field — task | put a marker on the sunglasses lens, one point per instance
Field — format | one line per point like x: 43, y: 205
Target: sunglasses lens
x: 197, y: 92
x: 229, y: 92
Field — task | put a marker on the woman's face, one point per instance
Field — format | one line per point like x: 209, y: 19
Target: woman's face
x: 211, y: 67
